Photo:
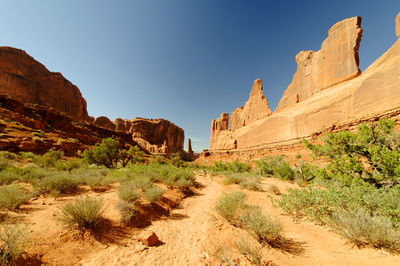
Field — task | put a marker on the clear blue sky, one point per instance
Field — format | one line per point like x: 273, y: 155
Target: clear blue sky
x: 186, y: 61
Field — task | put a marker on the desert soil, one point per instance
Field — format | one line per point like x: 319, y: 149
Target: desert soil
x: 191, y: 235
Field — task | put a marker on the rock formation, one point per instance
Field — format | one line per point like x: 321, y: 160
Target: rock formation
x: 24, y: 78
x: 190, y: 150
x: 337, y: 61
x: 155, y: 135
x: 103, y: 121
x: 327, y: 92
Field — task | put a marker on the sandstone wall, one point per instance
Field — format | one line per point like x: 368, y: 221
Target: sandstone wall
x: 337, y: 61
x: 23, y: 78
x: 372, y: 94
x: 155, y: 135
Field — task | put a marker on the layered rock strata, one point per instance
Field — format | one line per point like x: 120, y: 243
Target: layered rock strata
x: 327, y: 91
x: 155, y: 135
x: 24, y: 78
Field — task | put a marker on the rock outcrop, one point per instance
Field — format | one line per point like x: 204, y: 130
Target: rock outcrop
x: 336, y: 62
x: 103, y: 121
x: 24, y: 78
x: 327, y: 92
x: 155, y: 135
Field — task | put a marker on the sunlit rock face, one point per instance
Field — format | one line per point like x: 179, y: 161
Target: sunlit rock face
x: 25, y: 79
x: 327, y: 91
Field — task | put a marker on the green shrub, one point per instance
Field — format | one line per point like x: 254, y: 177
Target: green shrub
x: 98, y: 182
x: 49, y: 159
x: 58, y: 183
x: 107, y: 153
x: 372, y: 154
x: 9, y: 175
x: 69, y: 165
x: 251, y: 183
x: 14, y: 239
x: 8, y: 155
x: 127, y: 211
x: 176, y: 160
x: 13, y: 196
x: 233, y: 178
x: 153, y: 194
x: 236, y: 167
x: 252, y: 252
x: 275, y: 166
x: 265, y: 229
x: 128, y: 192
x: 83, y: 212
x: 274, y: 189
x: 362, y: 229
x: 230, y: 204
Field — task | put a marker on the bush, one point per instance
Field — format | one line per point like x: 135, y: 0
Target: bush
x: 233, y: 178
x: 127, y: 211
x: 8, y: 155
x: 372, y: 154
x: 9, y: 175
x: 83, y: 212
x: 252, y: 252
x: 69, y: 165
x: 251, y: 183
x: 236, y: 167
x: 176, y: 160
x: 13, y: 241
x: 275, y: 166
x: 127, y: 191
x: 265, y: 229
x: 230, y: 204
x: 13, y: 196
x: 58, y: 183
x: 49, y: 159
x: 107, y: 153
x: 153, y: 194
x: 362, y: 229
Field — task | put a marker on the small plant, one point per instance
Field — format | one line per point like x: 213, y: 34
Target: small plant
x: 274, y: 189
x: 84, y: 212
x: 251, y: 183
x: 13, y: 241
x: 59, y: 183
x: 153, y: 194
x: 8, y: 155
x: 13, y: 196
x: 362, y: 229
x: 252, y: 252
x: 37, y: 139
x: 127, y: 191
x: 265, y: 229
x: 127, y: 211
x: 229, y: 205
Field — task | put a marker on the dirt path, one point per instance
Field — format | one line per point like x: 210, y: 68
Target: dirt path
x: 191, y: 233
x: 183, y: 235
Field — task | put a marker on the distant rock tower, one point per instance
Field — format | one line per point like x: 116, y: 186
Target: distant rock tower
x: 190, y: 146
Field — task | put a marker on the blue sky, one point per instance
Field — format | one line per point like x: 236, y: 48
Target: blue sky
x: 183, y: 60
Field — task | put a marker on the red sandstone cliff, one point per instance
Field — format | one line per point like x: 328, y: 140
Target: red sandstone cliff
x: 155, y: 135
x: 327, y: 91
x: 24, y: 78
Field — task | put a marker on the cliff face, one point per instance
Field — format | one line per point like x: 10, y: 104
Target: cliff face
x: 155, y: 135
x: 327, y: 91
x: 24, y: 78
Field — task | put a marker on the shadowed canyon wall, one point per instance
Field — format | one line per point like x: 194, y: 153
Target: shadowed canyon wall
x: 327, y: 90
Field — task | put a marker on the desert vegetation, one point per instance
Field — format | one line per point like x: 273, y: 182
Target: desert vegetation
x: 357, y: 191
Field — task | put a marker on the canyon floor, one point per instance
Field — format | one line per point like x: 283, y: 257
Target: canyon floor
x: 193, y: 234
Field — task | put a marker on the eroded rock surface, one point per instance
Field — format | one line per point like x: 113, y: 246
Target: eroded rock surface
x: 155, y: 135
x: 25, y: 79
x: 327, y: 92
x: 337, y: 61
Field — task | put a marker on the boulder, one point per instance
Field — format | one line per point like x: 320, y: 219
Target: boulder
x: 25, y: 79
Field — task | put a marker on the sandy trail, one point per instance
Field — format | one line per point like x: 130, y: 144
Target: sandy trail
x: 183, y: 235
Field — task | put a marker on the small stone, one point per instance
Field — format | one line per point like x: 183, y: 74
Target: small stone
x: 149, y: 238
